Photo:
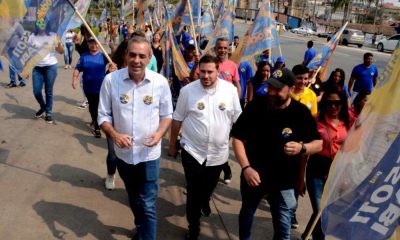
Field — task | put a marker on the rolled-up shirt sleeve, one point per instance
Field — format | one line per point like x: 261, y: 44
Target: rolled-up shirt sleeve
x: 105, y: 102
x: 166, y: 101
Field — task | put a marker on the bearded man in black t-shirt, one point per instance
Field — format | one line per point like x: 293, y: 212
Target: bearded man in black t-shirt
x: 271, y: 140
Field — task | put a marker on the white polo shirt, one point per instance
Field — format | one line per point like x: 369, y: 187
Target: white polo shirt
x: 136, y: 110
x: 207, y: 117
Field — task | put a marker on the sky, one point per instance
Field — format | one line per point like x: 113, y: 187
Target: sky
x: 395, y: 2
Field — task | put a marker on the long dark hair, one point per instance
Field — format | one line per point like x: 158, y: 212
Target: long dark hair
x: 344, y: 111
x: 330, y: 82
x: 118, y: 57
x: 257, y: 79
x: 357, y: 100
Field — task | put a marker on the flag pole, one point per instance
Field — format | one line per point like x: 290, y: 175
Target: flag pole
x: 133, y: 13
x: 90, y: 31
x: 192, y: 27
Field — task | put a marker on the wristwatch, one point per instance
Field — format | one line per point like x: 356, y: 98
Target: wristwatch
x: 303, y: 149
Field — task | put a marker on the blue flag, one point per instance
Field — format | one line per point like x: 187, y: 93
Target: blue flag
x: 1, y: 66
x: 223, y: 29
x: 49, y: 18
x: 260, y: 36
x: 207, y: 26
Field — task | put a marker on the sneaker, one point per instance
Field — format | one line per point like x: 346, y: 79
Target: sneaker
x: 11, y: 85
x: 205, y: 209
x: 22, y: 84
x: 110, y: 182
x: 49, y: 119
x: 227, y: 179
x: 83, y: 105
x: 97, y: 133
x: 39, y: 113
x: 295, y: 224
x: 66, y: 67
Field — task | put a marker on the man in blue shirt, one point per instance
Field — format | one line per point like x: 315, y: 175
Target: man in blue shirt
x: 310, y: 53
x: 363, y: 76
x: 245, y: 74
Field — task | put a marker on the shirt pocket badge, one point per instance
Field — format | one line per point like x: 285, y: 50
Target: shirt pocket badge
x: 124, y: 99
x: 222, y: 106
x: 148, y: 100
x: 200, y: 105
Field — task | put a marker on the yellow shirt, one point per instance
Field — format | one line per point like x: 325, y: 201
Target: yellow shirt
x: 309, y: 99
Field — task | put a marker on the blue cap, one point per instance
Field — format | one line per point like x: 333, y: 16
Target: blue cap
x: 280, y: 59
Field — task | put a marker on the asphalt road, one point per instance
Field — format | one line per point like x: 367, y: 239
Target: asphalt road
x: 52, y: 175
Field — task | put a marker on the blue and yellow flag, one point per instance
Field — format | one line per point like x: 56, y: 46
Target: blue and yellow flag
x: 261, y: 35
x: 223, y: 29
x: 180, y: 67
x: 322, y: 59
x: 361, y: 199
x: 219, y: 10
x: 25, y: 47
x: 207, y: 26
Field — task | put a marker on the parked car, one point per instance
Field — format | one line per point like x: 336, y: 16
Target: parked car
x: 351, y: 36
x: 324, y: 35
x: 388, y: 44
x: 303, y: 30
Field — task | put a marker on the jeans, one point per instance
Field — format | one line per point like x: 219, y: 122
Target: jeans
x: 69, y: 49
x: 93, y: 99
x: 12, y: 76
x: 315, y: 186
x: 201, y: 181
x: 44, y: 75
x: 141, y: 183
x: 111, y: 157
x: 282, y: 204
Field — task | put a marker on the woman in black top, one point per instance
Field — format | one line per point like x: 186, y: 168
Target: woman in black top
x: 157, y: 50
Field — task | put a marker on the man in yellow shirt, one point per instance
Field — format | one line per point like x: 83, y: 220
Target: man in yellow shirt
x: 301, y: 92
x: 307, y: 97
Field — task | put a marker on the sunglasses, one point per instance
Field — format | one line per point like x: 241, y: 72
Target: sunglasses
x: 333, y: 102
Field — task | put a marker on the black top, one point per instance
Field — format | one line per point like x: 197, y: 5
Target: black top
x: 82, y: 48
x: 158, y: 54
x: 265, y: 131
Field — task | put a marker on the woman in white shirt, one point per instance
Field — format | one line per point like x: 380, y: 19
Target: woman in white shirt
x: 45, y: 72
x: 69, y: 48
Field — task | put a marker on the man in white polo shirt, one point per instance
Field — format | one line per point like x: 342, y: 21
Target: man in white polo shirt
x: 205, y: 111
x: 135, y: 111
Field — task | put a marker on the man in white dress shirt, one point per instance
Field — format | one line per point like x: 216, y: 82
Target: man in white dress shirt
x: 135, y: 111
x: 205, y: 111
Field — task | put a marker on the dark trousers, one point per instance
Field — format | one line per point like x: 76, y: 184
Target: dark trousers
x: 201, y: 182
x: 227, y: 170
x: 141, y: 183
x: 93, y: 99
x: 111, y: 157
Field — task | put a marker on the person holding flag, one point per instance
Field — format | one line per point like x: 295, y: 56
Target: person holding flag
x: 45, y: 72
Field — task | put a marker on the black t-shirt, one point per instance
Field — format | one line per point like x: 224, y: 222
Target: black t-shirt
x: 265, y: 132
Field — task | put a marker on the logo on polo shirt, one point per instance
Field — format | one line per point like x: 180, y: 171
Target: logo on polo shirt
x: 200, y: 105
x: 287, y: 132
x: 277, y: 74
x: 148, y: 100
x: 222, y: 106
x: 124, y: 99
x: 243, y: 69
x: 372, y: 74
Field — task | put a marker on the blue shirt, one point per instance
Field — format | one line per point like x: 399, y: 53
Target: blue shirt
x: 309, y: 55
x: 94, y: 71
x: 364, y: 77
x: 245, y: 74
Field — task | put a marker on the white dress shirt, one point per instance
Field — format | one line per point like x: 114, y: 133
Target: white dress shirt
x: 207, y: 116
x: 135, y: 110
